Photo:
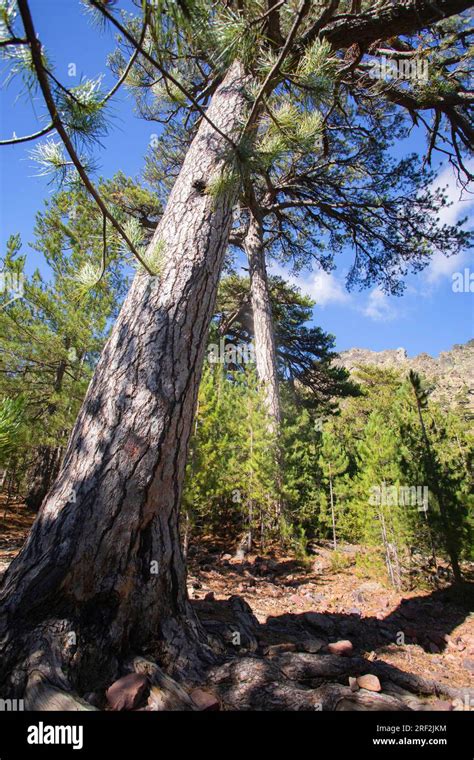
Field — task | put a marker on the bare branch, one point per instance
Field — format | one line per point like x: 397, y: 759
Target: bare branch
x: 26, y: 138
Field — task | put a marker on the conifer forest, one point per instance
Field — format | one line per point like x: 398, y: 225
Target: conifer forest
x: 224, y: 487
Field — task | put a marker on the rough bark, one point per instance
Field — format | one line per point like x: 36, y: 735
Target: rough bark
x: 103, y: 575
x: 312, y: 669
x: 253, y: 683
x: 402, y: 17
x: 264, y: 335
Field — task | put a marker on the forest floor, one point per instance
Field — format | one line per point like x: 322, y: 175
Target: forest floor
x: 425, y: 633
x: 283, y: 608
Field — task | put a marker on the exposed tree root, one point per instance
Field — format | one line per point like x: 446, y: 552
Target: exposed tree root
x: 166, y: 692
x: 42, y: 695
x: 58, y: 676
x: 297, y: 681
x: 311, y: 668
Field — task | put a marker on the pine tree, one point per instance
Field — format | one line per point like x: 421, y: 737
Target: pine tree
x: 305, y: 354
x: 127, y: 453
x: 382, y: 517
x: 334, y: 463
x: 438, y: 481
x: 51, y: 336
x: 230, y: 476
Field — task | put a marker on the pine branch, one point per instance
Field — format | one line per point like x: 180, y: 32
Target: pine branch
x: 41, y: 73
x: 272, y: 19
x: 129, y: 65
x: 26, y: 138
x: 403, y: 17
x: 273, y: 73
x: 13, y: 41
x: 448, y: 104
x: 131, y: 39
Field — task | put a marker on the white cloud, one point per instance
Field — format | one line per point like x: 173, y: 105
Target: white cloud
x: 441, y: 266
x: 378, y: 307
x: 323, y: 287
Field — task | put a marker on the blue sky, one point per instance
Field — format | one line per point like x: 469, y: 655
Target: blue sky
x: 429, y: 317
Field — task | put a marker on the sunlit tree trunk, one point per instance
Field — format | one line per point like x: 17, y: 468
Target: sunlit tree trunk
x: 264, y: 335
x: 103, y: 564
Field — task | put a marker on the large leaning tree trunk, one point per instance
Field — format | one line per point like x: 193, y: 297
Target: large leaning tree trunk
x: 102, y: 573
x: 264, y: 332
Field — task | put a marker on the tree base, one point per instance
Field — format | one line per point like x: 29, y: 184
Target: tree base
x: 243, y: 676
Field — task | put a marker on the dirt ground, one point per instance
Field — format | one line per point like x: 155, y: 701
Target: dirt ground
x: 426, y: 633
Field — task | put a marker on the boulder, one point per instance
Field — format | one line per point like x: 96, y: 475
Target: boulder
x: 311, y: 645
x: 468, y: 664
x: 342, y: 648
x: 369, y: 682
x: 275, y: 649
x: 205, y: 701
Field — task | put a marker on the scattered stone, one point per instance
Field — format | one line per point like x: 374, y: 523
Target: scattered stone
x: 127, y: 692
x: 205, y: 701
x: 369, y: 587
x: 369, y: 682
x: 312, y: 645
x: 274, y: 593
x: 342, y: 648
x: 442, y: 705
x: 297, y: 600
x: 468, y: 664
x: 226, y: 557
x: 317, y: 598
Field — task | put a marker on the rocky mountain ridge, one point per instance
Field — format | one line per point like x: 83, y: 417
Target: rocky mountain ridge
x: 451, y: 373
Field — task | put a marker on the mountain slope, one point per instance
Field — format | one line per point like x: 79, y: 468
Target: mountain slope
x: 451, y: 373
